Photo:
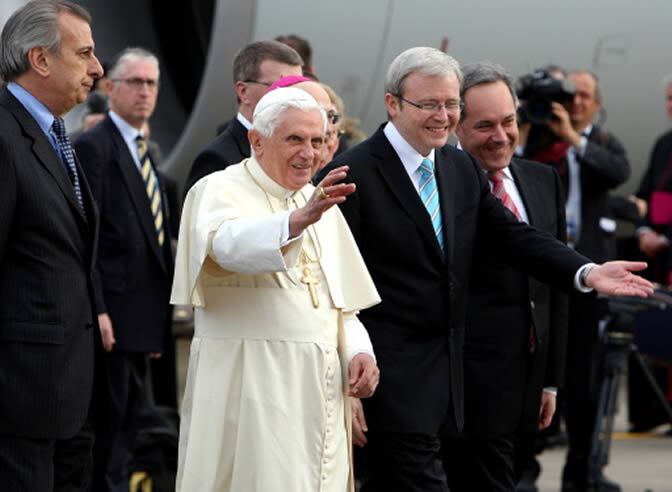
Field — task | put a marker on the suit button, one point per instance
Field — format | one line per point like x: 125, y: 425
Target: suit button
x: 88, y: 326
x: 451, y: 286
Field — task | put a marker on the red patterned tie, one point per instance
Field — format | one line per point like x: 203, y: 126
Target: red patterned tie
x: 497, y: 180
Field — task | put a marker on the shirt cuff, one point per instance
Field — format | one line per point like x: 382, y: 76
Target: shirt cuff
x: 284, y: 233
x: 551, y: 389
x: 357, y: 339
x: 579, y: 276
x: 641, y: 230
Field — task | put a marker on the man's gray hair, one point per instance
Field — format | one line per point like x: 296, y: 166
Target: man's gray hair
x: 429, y: 62
x: 33, y: 25
x: 128, y: 55
x: 484, y: 73
x: 268, y: 116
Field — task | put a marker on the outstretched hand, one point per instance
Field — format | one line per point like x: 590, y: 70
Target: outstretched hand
x: 616, y: 278
x: 327, y: 194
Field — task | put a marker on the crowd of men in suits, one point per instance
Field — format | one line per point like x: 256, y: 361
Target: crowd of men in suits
x: 470, y: 336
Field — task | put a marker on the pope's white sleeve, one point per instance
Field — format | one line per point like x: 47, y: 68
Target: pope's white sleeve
x: 357, y: 339
x: 257, y: 245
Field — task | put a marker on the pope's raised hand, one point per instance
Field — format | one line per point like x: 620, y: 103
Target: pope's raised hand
x: 327, y: 194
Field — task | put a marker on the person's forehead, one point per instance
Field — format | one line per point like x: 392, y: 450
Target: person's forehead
x: 584, y: 82
x: 139, y: 65
x: 418, y: 82
x: 488, y: 100
x: 294, y: 119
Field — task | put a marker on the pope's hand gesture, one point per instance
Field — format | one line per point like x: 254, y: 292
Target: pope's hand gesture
x: 327, y: 194
x: 364, y: 376
x: 615, y: 278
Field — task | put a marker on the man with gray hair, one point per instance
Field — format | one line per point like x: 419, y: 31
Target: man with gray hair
x: 415, y: 215
x: 48, y: 224
x: 276, y: 281
x: 134, y: 266
x: 506, y: 365
x: 255, y: 67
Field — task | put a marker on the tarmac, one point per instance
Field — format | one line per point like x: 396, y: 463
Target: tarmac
x: 638, y: 462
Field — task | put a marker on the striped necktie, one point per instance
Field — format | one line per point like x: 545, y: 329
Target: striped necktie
x: 68, y: 157
x: 151, y: 187
x: 497, y: 180
x: 429, y: 194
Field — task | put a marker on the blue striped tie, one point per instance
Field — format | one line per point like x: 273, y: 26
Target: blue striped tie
x: 68, y: 157
x: 429, y: 194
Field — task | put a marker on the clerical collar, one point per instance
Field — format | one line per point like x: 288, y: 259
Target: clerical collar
x: 265, y: 181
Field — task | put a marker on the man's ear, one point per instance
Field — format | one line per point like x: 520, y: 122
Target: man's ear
x: 241, y: 91
x: 392, y: 105
x: 40, y: 60
x: 256, y: 142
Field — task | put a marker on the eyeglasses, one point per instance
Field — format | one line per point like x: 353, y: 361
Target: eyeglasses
x: 450, y: 106
x: 251, y: 81
x: 333, y: 116
x: 138, y: 82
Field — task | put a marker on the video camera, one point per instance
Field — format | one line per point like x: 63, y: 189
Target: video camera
x: 536, y: 91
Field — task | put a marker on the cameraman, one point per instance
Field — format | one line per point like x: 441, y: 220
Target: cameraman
x: 590, y: 162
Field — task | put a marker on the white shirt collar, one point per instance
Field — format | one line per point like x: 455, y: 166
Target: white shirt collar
x: 410, y: 158
x: 507, y: 169
x: 244, y: 121
x: 128, y: 132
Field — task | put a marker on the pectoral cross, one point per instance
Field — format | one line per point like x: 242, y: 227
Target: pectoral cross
x: 311, y: 282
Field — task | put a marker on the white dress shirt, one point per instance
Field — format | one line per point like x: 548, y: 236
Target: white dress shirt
x: 129, y: 134
x: 410, y: 158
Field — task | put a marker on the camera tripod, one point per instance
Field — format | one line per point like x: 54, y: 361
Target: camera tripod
x: 617, y: 340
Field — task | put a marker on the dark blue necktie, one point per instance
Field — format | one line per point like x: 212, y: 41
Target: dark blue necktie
x: 68, y: 155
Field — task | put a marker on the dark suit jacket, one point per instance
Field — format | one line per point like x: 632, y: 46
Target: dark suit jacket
x: 503, y: 381
x: 133, y: 273
x: 47, y: 315
x: 231, y: 147
x: 604, y: 166
x: 418, y: 329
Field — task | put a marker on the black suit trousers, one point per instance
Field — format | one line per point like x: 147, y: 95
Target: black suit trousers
x: 29, y: 465
x: 583, y: 371
x: 401, y: 462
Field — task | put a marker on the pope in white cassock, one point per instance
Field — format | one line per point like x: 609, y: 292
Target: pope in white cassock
x: 276, y: 280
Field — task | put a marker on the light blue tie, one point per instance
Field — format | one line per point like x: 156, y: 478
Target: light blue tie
x: 429, y: 194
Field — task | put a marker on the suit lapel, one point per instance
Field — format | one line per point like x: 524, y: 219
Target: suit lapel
x: 136, y: 189
x: 445, y: 175
x: 530, y: 193
x: 396, y: 177
x: 240, y: 136
x: 43, y: 150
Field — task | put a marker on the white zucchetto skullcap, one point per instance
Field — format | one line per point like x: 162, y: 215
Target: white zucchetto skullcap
x: 280, y: 95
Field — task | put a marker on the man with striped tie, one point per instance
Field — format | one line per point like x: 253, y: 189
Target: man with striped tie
x: 415, y: 214
x: 511, y: 370
x: 135, y: 265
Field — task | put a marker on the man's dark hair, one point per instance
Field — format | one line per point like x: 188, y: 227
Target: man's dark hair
x: 248, y: 60
x: 301, y: 45
x: 484, y: 73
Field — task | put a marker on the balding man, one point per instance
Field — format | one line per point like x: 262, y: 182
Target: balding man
x: 506, y: 365
x: 47, y: 230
